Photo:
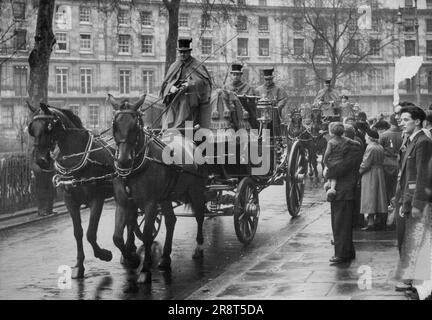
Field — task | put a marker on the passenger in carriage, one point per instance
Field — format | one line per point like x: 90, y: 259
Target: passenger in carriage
x: 188, y: 78
x: 272, y: 92
x: 237, y: 84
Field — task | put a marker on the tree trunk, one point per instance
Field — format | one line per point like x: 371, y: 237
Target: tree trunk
x: 40, y: 55
x: 171, y: 42
x: 38, y: 92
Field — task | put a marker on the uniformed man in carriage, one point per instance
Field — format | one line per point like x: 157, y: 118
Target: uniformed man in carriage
x: 186, y: 90
x: 241, y: 88
x: 328, y: 100
x: 276, y: 94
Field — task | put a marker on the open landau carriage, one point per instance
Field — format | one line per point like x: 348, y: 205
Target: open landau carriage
x: 233, y: 188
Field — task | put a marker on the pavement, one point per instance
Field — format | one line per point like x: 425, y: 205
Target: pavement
x: 298, y: 268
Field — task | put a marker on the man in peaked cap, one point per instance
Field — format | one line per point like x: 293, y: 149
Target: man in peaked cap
x: 186, y: 89
x: 327, y: 99
x: 272, y: 92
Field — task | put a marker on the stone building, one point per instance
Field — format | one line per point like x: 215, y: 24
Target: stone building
x: 123, y: 52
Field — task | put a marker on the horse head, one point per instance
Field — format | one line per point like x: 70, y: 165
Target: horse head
x: 47, y: 125
x: 317, y: 121
x: 127, y: 128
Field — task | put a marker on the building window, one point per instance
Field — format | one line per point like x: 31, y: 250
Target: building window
x: 123, y: 17
x: 375, y: 80
x: 241, y: 2
x: 262, y: 2
x: 298, y: 47
x: 205, y: 22
x: 409, y: 25
x: 147, y: 44
x: 429, y: 4
x: 242, y: 47
x: 124, y: 43
x: 428, y: 25
x: 148, y: 80
x: 7, y: 116
x: 20, y: 39
x: 146, y: 18
x: 356, y: 81
x: 429, y: 48
x: 408, y: 3
x: 411, y: 85
x: 353, y: 24
x: 61, y: 80
x: 263, y: 24
x: 410, y: 48
x: 93, y: 116
x: 264, y: 47
x: 298, y: 24
x: 319, y: 49
x: 84, y: 15
x: 319, y: 3
x: 375, y: 23
x: 374, y: 47
x: 61, y: 40
x: 20, y: 81
x: 206, y: 45
x: 18, y: 10
x: 354, y: 47
x: 85, y: 42
x: 183, y: 20
x: 299, y: 78
x: 430, y: 81
x: 125, y: 81
x: 321, y: 75
x: 86, y: 80
x: 242, y: 23
x: 298, y: 3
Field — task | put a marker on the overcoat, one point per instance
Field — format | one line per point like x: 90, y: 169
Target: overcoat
x: 373, y: 187
x: 191, y: 104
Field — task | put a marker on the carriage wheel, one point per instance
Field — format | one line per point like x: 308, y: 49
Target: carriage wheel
x: 246, y: 210
x: 294, y: 187
x: 139, y: 229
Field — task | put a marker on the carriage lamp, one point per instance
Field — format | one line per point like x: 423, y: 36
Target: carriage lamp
x: 264, y: 110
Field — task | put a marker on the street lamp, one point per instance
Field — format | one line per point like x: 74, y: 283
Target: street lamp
x: 416, y: 26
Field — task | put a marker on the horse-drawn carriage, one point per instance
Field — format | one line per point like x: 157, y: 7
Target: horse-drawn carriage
x: 232, y: 188
x: 135, y: 173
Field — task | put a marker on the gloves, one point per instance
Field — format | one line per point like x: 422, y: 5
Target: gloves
x: 173, y: 89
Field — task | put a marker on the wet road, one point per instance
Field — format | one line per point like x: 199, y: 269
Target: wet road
x: 30, y: 255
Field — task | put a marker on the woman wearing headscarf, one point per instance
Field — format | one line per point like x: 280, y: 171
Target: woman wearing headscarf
x: 373, y: 188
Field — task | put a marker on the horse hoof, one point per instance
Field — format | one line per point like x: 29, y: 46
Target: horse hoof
x: 132, y: 262
x: 165, y: 264
x: 144, y: 277
x: 198, y: 254
x: 77, y: 272
x: 104, y: 255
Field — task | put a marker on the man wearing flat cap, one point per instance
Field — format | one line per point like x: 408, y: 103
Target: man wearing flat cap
x: 186, y: 89
x: 276, y: 94
x: 328, y: 100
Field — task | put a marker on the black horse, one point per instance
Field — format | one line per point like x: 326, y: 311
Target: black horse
x: 78, y: 156
x: 147, y: 182
x: 319, y: 143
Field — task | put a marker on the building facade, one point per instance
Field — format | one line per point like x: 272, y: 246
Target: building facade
x: 122, y: 52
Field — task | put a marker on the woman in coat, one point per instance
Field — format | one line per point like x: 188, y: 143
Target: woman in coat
x: 373, y: 188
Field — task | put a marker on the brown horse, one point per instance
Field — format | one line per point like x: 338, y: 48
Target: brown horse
x: 60, y: 137
x: 146, y: 181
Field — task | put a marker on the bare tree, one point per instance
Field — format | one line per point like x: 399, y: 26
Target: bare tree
x: 173, y: 7
x: 40, y: 55
x: 332, y: 36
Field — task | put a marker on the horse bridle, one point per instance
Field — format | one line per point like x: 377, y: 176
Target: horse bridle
x: 53, y: 120
x: 140, y: 135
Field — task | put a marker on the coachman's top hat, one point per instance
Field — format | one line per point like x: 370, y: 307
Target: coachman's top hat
x: 268, y: 73
x: 184, y: 44
x: 236, y: 68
